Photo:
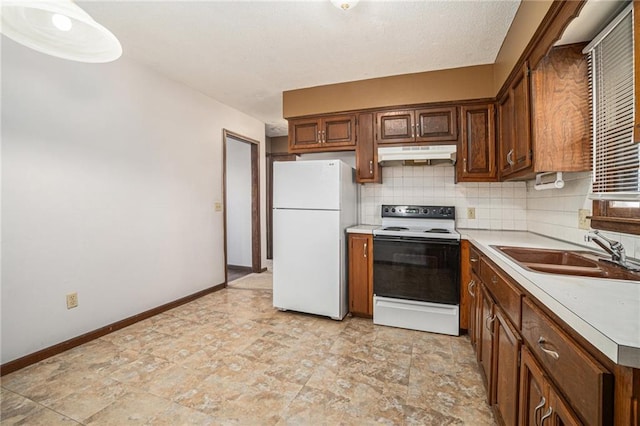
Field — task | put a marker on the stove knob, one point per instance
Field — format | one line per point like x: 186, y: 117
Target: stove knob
x: 425, y: 211
x: 386, y: 209
x: 449, y: 212
x: 393, y: 210
x: 442, y: 212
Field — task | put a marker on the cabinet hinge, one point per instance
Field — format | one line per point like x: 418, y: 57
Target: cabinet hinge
x: 531, y: 154
x: 519, y: 357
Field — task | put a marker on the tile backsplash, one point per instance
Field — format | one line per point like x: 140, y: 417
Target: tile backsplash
x: 502, y: 205
x: 497, y: 205
x: 554, y: 213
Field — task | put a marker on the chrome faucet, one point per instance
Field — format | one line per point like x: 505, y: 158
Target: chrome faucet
x: 614, y: 248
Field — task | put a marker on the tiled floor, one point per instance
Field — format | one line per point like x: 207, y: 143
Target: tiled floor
x: 230, y: 358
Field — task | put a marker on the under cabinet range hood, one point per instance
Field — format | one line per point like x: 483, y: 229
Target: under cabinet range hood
x: 417, y: 155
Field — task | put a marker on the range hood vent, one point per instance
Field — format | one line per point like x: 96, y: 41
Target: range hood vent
x: 417, y: 155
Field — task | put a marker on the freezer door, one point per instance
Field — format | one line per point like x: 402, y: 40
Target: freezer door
x: 307, y: 184
x: 308, y: 262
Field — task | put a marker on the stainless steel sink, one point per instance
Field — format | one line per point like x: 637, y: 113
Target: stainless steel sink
x: 567, y: 262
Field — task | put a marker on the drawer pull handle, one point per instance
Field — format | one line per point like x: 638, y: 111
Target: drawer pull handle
x: 365, y: 249
x: 538, y: 407
x: 474, y: 259
x: 370, y: 167
x: 489, y: 320
x: 471, y: 284
x: 552, y: 354
x: 546, y: 416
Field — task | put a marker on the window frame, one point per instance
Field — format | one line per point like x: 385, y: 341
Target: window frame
x: 616, y: 219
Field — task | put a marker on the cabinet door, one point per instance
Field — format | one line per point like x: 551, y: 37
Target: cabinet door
x: 486, y: 326
x: 560, y: 414
x: 560, y: 112
x: 505, y: 134
x: 477, y: 145
x: 338, y: 130
x: 505, y: 372
x: 472, y: 292
x: 395, y: 127
x: 436, y: 124
x: 304, y: 133
x: 367, y: 167
x: 360, y: 274
x: 532, y: 397
x: 522, y: 146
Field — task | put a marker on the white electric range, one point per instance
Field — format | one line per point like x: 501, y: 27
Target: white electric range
x: 416, y: 266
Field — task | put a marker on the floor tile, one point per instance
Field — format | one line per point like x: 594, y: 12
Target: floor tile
x: 231, y: 358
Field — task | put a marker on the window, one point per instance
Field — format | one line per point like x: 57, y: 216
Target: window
x: 616, y: 157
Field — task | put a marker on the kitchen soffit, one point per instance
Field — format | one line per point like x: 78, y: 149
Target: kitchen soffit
x: 246, y: 53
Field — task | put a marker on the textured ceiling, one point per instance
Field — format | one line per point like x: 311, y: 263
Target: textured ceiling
x: 246, y: 53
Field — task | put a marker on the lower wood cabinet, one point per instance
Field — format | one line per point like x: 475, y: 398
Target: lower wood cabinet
x: 484, y: 345
x: 540, y: 403
x: 536, y: 373
x: 586, y: 384
x: 506, y: 365
x: 361, y: 274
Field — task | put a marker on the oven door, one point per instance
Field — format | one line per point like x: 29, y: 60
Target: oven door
x: 420, y: 269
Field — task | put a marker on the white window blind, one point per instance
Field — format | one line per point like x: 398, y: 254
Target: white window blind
x: 616, y: 159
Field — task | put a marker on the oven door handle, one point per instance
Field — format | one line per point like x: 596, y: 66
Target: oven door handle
x: 417, y: 240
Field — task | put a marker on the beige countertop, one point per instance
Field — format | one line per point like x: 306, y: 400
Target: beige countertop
x: 605, y: 312
x: 362, y: 229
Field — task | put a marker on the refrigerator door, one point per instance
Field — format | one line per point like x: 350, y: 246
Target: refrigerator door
x: 308, y: 262
x: 307, y: 184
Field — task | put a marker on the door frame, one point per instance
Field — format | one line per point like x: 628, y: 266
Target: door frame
x: 256, y: 236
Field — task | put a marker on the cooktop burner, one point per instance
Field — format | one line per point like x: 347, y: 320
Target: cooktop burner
x: 396, y: 228
x: 438, y: 231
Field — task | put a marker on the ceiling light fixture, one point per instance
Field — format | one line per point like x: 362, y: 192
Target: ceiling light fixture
x: 345, y: 4
x: 58, y: 28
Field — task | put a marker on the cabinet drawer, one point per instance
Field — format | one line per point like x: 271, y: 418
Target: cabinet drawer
x: 474, y: 260
x: 507, y: 296
x: 585, y: 383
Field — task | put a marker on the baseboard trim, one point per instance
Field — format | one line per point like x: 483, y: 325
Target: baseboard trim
x: 17, y: 364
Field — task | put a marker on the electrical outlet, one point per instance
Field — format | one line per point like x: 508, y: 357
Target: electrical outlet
x: 583, y: 221
x: 218, y: 207
x: 471, y: 212
x: 72, y: 300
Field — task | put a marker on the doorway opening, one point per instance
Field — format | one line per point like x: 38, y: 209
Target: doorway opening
x: 241, y: 188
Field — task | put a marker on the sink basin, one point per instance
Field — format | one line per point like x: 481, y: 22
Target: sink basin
x: 567, y: 262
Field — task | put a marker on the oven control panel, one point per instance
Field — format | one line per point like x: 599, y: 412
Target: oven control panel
x: 425, y: 212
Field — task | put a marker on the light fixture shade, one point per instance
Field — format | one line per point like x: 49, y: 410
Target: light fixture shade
x: 345, y: 4
x: 32, y: 24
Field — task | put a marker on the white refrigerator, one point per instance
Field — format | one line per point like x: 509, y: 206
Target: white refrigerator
x: 313, y: 204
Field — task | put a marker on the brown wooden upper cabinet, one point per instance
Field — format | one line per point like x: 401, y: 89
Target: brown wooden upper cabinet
x: 515, y: 131
x: 544, y: 117
x: 477, y: 149
x: 423, y: 126
x: 328, y: 133
x: 367, y: 167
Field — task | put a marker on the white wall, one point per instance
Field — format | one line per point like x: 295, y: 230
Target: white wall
x: 110, y: 173
x: 238, y: 203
